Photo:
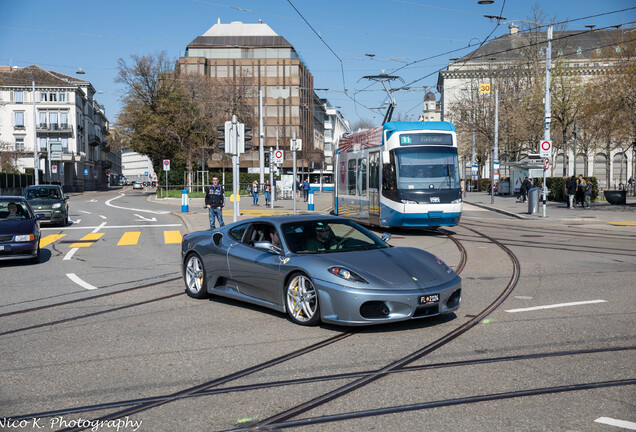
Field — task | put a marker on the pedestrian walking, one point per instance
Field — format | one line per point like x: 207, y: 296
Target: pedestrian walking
x: 524, y: 189
x: 298, y: 188
x: 587, y: 191
x: 579, y: 196
x: 306, y: 188
x: 268, y: 192
x: 255, y: 193
x: 214, y: 201
x: 570, y: 187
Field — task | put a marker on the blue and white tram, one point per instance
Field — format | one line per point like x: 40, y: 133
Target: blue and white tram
x: 401, y: 174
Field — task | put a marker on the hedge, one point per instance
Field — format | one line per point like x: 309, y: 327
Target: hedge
x: 556, y: 185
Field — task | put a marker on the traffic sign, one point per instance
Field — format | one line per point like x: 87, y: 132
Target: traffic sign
x: 545, y: 149
x: 546, y: 164
x: 54, y: 169
x: 278, y: 156
x: 145, y: 173
x: 484, y: 88
x: 299, y: 145
x: 474, y: 169
x: 166, y: 164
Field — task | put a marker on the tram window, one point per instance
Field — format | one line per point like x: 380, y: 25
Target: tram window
x: 362, y: 177
x: 351, y: 176
x: 373, y: 171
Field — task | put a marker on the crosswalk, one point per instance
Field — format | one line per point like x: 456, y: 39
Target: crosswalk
x: 129, y: 238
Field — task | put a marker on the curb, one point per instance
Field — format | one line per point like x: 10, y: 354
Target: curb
x: 504, y: 212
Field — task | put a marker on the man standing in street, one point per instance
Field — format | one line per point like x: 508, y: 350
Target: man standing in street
x: 306, y: 188
x: 214, y: 201
x: 571, y: 185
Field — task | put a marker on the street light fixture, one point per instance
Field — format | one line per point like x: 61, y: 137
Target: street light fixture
x: 485, y: 2
x: 80, y: 71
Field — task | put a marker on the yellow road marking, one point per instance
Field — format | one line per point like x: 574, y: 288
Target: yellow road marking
x: 88, y: 238
x: 172, y: 237
x: 129, y: 238
x: 45, y: 241
x: 622, y: 223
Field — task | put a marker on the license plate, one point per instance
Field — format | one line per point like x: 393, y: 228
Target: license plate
x: 427, y: 299
x: 434, y: 199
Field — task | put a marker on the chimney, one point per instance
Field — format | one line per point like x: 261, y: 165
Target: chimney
x: 260, y: 21
x: 514, y: 29
x: 218, y: 20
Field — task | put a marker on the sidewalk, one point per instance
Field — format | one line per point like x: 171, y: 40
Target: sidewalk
x: 197, y: 218
x: 599, y: 212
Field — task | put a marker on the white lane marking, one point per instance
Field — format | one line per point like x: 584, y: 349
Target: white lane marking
x: 146, y: 219
x: 69, y: 254
x: 102, y: 216
x: 84, y: 211
x: 93, y: 200
x: 618, y: 423
x: 556, y: 306
x: 75, y: 221
x: 112, y: 227
x: 77, y: 280
x: 133, y: 209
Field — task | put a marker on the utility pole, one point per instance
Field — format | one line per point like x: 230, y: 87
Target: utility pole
x: 36, y: 159
x: 235, y: 167
x: 261, y: 149
x: 495, y: 152
x: 575, y: 132
x: 547, y: 117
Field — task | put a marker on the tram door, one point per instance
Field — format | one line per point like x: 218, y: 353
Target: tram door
x: 374, y: 187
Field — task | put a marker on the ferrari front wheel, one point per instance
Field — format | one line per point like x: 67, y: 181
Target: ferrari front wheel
x: 194, y: 276
x: 302, y: 301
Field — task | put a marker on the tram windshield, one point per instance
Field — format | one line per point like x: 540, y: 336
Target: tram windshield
x: 426, y: 168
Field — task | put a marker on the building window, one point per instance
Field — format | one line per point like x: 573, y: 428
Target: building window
x: 53, y: 97
x: 42, y: 119
x: 221, y: 71
x: 18, y: 96
x: 53, y: 119
x: 271, y: 71
x: 65, y: 145
x: 62, y: 97
x: 64, y: 119
x: 43, y: 97
x: 19, y: 144
x: 19, y: 119
x: 42, y: 144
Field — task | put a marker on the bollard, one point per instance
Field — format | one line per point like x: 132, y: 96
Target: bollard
x: 310, y: 200
x: 184, y: 200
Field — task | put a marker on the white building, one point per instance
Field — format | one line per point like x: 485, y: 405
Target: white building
x: 335, y: 127
x: 64, y: 111
x: 432, y: 109
x: 137, y: 167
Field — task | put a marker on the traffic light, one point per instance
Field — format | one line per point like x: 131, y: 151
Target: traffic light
x: 242, y: 137
x: 225, y: 137
x: 266, y: 162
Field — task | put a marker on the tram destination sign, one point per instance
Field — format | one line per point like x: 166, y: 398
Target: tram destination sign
x: 426, y: 139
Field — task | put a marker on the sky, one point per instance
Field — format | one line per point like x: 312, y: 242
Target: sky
x: 340, y: 41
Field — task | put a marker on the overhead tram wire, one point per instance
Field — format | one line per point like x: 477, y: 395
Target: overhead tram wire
x: 344, y: 85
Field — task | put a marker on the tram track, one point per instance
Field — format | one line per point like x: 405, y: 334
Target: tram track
x: 325, y: 378
x: 361, y: 382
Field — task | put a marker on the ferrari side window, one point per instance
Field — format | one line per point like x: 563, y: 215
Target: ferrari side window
x: 237, y: 233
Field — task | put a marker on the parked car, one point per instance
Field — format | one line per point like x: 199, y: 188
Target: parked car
x: 318, y: 268
x: 137, y: 185
x: 19, y: 230
x: 50, y: 201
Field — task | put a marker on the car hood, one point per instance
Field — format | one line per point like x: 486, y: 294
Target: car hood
x: 398, y: 267
x: 45, y: 203
x: 16, y: 227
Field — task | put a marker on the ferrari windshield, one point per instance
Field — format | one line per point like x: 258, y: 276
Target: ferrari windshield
x: 327, y: 236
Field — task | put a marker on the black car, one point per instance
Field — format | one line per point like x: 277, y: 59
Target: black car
x: 50, y: 201
x: 19, y: 230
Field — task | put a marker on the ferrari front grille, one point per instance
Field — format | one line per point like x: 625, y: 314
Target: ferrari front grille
x: 374, y: 310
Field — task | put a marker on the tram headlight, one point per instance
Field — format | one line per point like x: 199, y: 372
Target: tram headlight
x: 408, y: 202
x: 457, y: 201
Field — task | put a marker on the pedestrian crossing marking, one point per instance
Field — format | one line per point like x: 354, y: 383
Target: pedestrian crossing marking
x: 45, y: 241
x: 129, y: 238
x: 172, y: 237
x: 87, y: 240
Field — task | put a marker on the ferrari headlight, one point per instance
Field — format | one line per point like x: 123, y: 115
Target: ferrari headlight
x: 346, y: 274
x: 457, y: 201
x: 57, y: 205
x: 444, y: 266
x: 24, y: 238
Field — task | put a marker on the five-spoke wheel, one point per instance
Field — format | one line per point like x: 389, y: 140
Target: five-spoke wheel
x: 302, y: 300
x: 195, y: 277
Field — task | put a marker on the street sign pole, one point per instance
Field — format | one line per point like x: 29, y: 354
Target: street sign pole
x: 272, y: 193
x: 235, y: 167
x: 547, y: 109
x: 293, y: 149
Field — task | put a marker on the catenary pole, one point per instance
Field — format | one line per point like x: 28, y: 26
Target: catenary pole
x: 36, y: 160
x: 547, y: 110
x: 261, y: 136
x: 293, y: 149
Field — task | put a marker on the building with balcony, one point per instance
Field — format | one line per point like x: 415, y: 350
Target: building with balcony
x: 260, y: 60
x: 40, y: 107
x: 335, y: 127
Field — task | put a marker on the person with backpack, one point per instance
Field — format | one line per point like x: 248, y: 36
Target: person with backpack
x: 255, y: 193
x: 214, y: 201
x: 306, y: 188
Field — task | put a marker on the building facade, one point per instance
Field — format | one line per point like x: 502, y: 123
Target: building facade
x: 137, y: 167
x: 432, y: 109
x: 63, y: 110
x: 580, y: 52
x: 335, y: 127
x: 262, y: 61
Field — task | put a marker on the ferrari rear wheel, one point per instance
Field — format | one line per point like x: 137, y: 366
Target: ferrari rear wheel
x: 302, y: 301
x: 194, y: 275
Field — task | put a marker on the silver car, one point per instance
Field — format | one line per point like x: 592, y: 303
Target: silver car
x: 318, y: 268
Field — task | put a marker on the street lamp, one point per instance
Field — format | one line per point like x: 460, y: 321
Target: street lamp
x: 80, y: 71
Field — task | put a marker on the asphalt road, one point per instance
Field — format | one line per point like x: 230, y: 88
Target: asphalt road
x: 569, y: 366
